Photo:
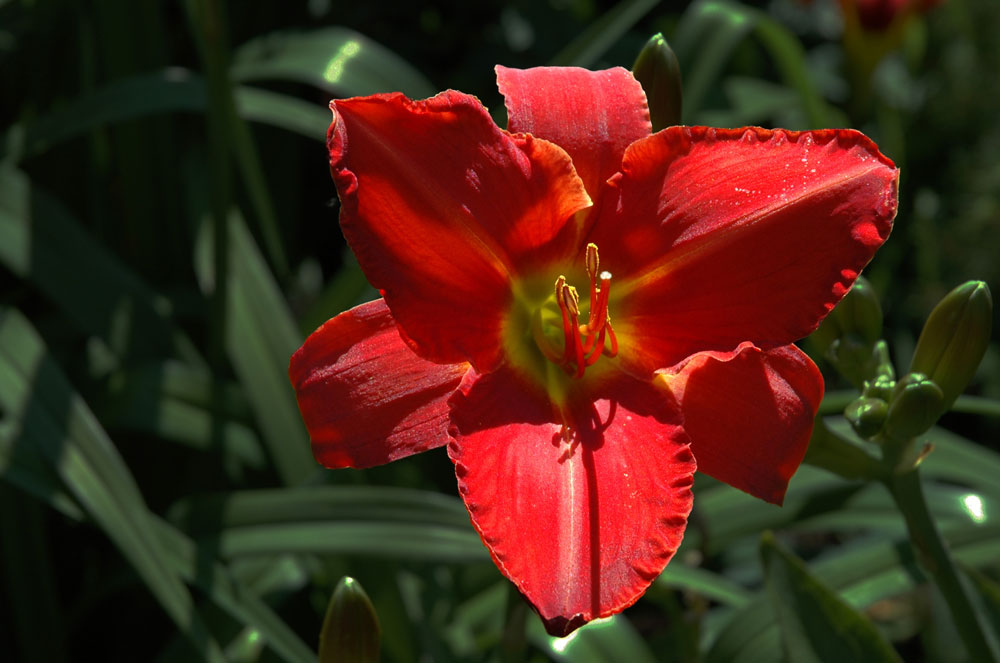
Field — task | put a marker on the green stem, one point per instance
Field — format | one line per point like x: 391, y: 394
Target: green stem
x: 934, y: 557
x: 830, y: 451
x: 988, y: 407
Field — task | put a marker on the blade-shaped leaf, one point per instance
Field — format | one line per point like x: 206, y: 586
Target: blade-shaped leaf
x: 41, y: 242
x: 816, y: 624
x: 53, y: 422
x: 174, y: 90
x: 260, y: 338
x: 338, y: 60
x: 593, y: 42
x: 356, y: 520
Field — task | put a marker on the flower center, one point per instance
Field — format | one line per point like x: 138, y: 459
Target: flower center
x: 558, y: 318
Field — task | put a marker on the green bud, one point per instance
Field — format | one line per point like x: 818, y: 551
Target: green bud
x: 860, y: 312
x: 867, y: 415
x: 881, y: 387
x: 658, y: 72
x: 350, y: 630
x: 914, y: 408
x: 849, y: 337
x: 954, y: 339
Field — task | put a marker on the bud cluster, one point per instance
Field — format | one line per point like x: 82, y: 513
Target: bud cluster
x: 950, y: 348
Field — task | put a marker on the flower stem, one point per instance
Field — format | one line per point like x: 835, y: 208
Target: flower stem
x: 988, y: 407
x: 937, y: 561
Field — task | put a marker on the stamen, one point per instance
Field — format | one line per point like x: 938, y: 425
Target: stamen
x: 583, y: 344
x: 571, y: 299
x: 593, y: 260
x: 613, y: 350
x: 567, y: 330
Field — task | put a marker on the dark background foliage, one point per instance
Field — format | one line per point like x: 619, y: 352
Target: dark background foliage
x: 168, y: 237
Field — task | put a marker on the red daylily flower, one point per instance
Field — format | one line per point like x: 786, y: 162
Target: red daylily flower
x: 573, y: 417
x: 878, y: 15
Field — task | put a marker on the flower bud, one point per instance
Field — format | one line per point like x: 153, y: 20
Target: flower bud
x: 954, y: 339
x: 350, y: 629
x: 849, y: 336
x: 658, y: 72
x: 881, y: 387
x: 861, y: 312
x: 867, y: 415
x: 914, y: 408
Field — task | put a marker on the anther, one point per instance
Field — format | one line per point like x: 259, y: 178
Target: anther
x: 593, y: 261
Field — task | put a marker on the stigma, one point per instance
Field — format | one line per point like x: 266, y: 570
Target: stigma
x: 583, y: 342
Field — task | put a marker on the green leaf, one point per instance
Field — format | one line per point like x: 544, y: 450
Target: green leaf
x: 282, y: 111
x: 233, y: 596
x: 41, y: 242
x: 705, y: 38
x: 816, y: 624
x: 53, y: 422
x: 174, y: 90
x: 338, y: 60
x: 602, y: 34
x: 702, y: 581
x: 184, y: 404
x: 344, y: 291
x: 260, y: 339
x: 862, y: 573
x: 357, y: 520
x: 709, y: 33
x: 205, y: 514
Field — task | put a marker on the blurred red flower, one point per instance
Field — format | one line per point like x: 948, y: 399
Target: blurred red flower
x: 878, y: 15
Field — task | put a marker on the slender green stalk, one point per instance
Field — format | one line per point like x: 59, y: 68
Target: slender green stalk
x: 988, y: 407
x: 934, y: 557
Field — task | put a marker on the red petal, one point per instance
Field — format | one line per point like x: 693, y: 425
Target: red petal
x: 735, y: 235
x: 365, y: 397
x: 593, y: 115
x: 440, y: 206
x: 749, y: 414
x: 582, y: 529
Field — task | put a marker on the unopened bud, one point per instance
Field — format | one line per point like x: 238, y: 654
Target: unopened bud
x: 860, y: 311
x: 881, y: 388
x: 850, y: 336
x: 954, y: 339
x: 867, y: 415
x: 914, y: 408
x: 658, y: 72
x: 350, y: 629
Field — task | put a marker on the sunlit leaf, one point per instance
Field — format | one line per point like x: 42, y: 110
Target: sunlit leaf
x: 338, y: 60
